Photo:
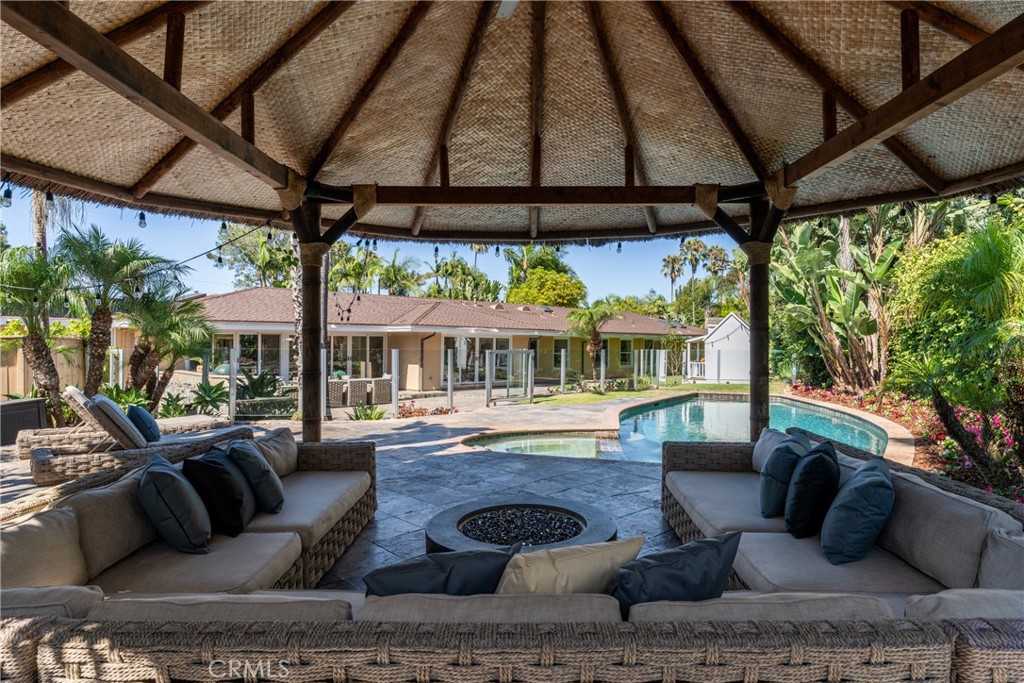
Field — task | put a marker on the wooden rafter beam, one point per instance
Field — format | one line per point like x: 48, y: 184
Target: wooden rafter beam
x: 707, y: 87
x: 439, y: 159
x: 817, y: 73
x: 547, y: 195
x: 73, y: 40
x: 340, y: 227
x: 829, y: 125
x: 50, y: 73
x: 910, y: 47
x: 538, y: 10
x: 323, y: 155
x: 260, y: 75
x: 174, y: 49
x: 634, y: 172
x: 976, y: 66
x: 946, y: 22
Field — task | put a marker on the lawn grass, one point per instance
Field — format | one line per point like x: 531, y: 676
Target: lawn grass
x: 576, y: 399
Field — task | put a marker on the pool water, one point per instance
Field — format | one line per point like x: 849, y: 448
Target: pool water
x: 643, y: 430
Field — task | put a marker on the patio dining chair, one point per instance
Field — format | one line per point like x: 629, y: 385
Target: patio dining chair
x: 358, y: 391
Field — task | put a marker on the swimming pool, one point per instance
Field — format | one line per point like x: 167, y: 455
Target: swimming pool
x: 690, y: 418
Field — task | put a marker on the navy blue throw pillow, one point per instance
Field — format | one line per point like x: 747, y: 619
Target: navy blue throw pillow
x: 262, y: 478
x: 858, y: 513
x: 174, y: 507
x: 696, y: 571
x: 223, y: 490
x: 811, y: 491
x: 777, y: 471
x: 145, y: 423
x: 467, y: 572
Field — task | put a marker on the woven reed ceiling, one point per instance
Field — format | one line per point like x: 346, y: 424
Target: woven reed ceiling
x: 78, y: 126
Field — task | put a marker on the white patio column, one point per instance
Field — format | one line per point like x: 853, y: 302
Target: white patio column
x: 394, y: 383
x: 283, y: 359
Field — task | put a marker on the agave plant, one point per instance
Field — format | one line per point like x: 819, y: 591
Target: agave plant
x: 125, y: 397
x: 209, y: 398
x: 172, y: 406
x: 366, y: 412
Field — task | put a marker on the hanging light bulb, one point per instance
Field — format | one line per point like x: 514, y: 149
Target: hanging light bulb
x: 903, y: 212
x: 98, y: 300
x: 375, y: 245
x: 497, y: 250
x: 991, y: 200
x: 142, y: 219
x: 67, y: 303
x: 49, y: 201
x: 138, y: 289
x: 223, y: 229
x: 6, y: 201
x: 618, y: 249
x: 358, y: 298
x: 35, y: 299
x: 437, y: 252
x: 220, y: 257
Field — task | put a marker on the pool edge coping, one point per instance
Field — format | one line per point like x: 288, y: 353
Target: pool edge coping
x: 900, y: 446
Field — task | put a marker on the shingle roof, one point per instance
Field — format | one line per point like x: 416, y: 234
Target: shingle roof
x: 271, y: 305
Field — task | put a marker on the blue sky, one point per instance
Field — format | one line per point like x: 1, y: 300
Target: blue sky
x: 635, y: 271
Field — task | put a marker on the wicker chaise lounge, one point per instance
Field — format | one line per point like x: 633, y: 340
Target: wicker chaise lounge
x: 92, y: 435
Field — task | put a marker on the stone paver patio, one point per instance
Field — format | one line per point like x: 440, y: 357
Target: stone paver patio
x: 423, y: 467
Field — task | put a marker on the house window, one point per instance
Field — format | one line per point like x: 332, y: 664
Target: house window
x: 561, y: 349
x: 625, y: 353
x: 270, y: 353
x: 248, y: 354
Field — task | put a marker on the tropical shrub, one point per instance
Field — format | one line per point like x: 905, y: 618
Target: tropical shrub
x: 125, y: 397
x: 209, y: 398
x: 263, y: 385
x: 172, y: 406
x: 366, y: 412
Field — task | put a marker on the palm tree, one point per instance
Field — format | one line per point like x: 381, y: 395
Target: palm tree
x: 170, y: 325
x: 400, y: 277
x: 31, y: 283
x: 522, y: 259
x: 479, y: 249
x: 104, y: 268
x: 694, y: 252
x: 672, y: 268
x: 587, y: 323
x: 739, y: 274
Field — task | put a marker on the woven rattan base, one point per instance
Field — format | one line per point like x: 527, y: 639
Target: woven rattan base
x: 318, y: 560
x: 687, y: 531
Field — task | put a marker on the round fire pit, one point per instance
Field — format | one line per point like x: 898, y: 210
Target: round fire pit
x: 535, y: 521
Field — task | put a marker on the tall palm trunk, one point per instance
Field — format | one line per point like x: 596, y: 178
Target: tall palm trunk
x: 142, y: 363
x: 161, y: 387
x: 98, y: 343
x: 39, y: 235
x: 44, y: 373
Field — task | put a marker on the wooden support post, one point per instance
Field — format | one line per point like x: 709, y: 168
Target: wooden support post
x: 444, y: 168
x: 758, y: 255
x: 311, y: 255
x: 174, y: 49
x: 630, y: 166
x: 910, y: 47
x: 539, y: 9
x: 829, y: 126
x: 249, y: 117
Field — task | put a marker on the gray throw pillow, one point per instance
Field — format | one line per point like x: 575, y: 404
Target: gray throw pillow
x: 468, y: 572
x: 766, y: 443
x: 858, y: 513
x: 174, y: 507
x: 777, y: 471
x: 265, y: 483
x: 696, y: 571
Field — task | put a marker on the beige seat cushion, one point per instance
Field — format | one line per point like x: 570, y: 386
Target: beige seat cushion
x: 42, y: 549
x: 355, y: 599
x: 73, y: 602
x: 115, y: 506
x: 484, y: 609
x: 234, y: 565
x: 313, y: 503
x: 114, y: 420
x: 280, y: 450
x: 265, y: 606
x: 921, y: 511
x: 574, y: 569
x: 766, y: 607
x: 967, y: 603
x: 771, y: 563
x: 719, y: 502
x: 1002, y: 560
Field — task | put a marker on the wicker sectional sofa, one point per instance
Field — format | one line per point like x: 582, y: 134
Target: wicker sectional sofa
x: 328, y: 500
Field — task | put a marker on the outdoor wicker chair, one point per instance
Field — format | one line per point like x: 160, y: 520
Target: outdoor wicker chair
x: 336, y: 389
x: 381, y: 390
x: 358, y: 391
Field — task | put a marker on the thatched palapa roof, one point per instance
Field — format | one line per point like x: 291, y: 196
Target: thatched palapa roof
x: 614, y: 96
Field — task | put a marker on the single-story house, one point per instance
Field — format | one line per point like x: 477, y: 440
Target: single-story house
x: 723, y: 354
x: 363, y: 329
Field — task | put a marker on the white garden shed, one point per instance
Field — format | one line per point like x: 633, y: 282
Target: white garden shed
x: 723, y: 354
